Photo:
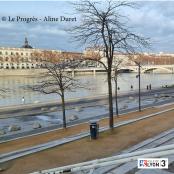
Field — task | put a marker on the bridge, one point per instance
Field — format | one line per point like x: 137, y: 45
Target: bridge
x: 149, y: 68
x: 132, y: 68
x: 124, y: 68
x: 93, y: 70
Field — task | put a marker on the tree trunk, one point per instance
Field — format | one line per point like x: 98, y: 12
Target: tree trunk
x: 63, y: 110
x: 111, y: 124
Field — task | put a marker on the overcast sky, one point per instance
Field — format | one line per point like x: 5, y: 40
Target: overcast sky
x: 152, y: 19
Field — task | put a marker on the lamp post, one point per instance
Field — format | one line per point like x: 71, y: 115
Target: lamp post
x: 116, y: 72
x: 116, y: 94
x: 139, y: 84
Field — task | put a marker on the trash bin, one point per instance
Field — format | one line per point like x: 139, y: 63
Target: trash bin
x: 94, y: 129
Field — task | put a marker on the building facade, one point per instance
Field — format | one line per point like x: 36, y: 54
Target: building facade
x: 21, y: 58
x: 27, y: 57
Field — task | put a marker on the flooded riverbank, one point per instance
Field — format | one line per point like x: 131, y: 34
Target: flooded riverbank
x: 95, y: 85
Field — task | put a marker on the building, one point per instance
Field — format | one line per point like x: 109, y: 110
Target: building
x: 28, y: 57
x: 128, y: 60
x: 17, y: 58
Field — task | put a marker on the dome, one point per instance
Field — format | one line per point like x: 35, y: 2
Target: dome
x: 26, y: 45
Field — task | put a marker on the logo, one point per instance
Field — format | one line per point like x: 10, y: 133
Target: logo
x: 3, y: 18
x: 153, y: 163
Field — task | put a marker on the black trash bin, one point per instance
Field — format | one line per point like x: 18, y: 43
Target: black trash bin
x: 94, y: 129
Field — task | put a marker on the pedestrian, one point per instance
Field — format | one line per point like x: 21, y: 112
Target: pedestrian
x: 147, y: 87
x: 23, y: 100
x: 132, y: 87
x: 150, y: 87
x: 118, y: 88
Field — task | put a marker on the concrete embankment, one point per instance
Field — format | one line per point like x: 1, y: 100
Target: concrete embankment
x: 36, y: 72
x: 21, y: 72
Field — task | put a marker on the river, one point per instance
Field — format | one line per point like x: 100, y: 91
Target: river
x: 94, y: 85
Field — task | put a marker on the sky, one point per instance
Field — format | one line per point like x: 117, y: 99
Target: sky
x: 153, y: 19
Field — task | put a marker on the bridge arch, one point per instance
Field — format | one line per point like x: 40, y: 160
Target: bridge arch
x: 162, y: 69
x: 127, y: 70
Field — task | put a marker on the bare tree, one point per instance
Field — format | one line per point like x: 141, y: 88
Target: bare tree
x: 57, y: 79
x: 102, y: 25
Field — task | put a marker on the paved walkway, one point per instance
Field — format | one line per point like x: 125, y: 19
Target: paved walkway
x: 100, y: 109
x: 164, y: 138
x: 26, y: 151
x: 16, y: 144
x: 84, y: 149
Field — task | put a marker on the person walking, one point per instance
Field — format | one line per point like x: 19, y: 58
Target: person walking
x: 150, y: 87
x: 132, y: 87
x: 23, y: 100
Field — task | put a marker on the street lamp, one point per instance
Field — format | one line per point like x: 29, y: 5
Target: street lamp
x: 116, y: 94
x: 116, y: 72
x: 139, y: 83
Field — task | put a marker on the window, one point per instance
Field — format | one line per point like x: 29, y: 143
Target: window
x: 6, y: 53
x: 7, y: 67
x: 22, y: 54
x: 12, y: 66
x: 11, y: 53
x: 17, y: 53
x: 0, y: 52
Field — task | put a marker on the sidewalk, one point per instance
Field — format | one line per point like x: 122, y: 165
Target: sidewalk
x: 84, y: 149
x: 73, y: 130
